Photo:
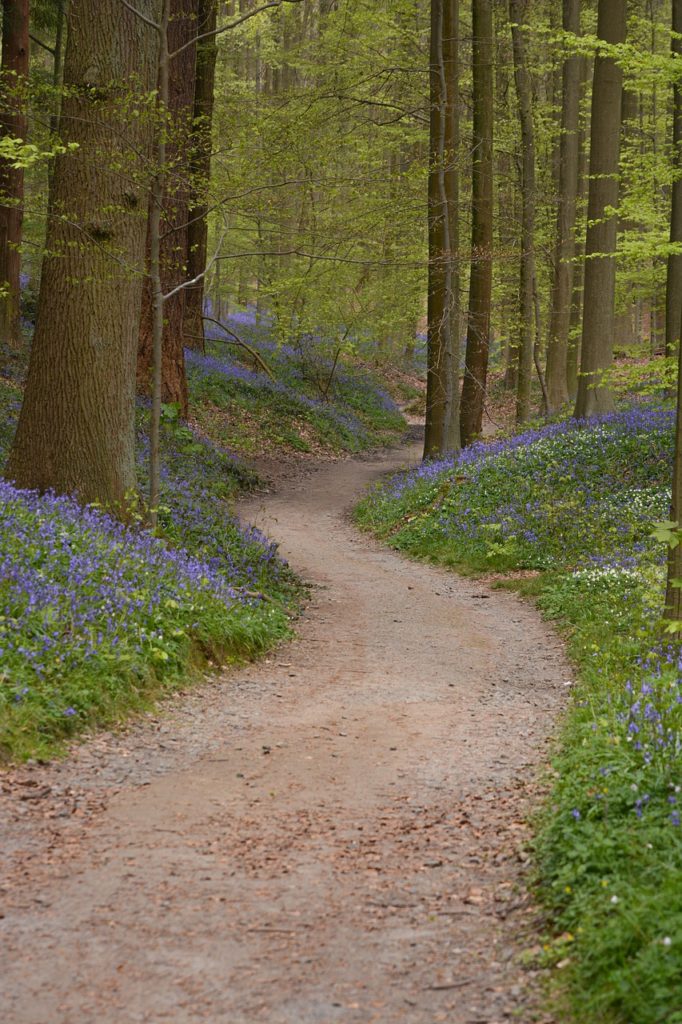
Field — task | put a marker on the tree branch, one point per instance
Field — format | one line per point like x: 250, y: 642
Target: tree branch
x: 39, y: 42
x: 143, y: 17
x: 257, y: 358
x: 230, y: 25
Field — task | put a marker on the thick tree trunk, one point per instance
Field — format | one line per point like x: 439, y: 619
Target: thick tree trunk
x: 13, y: 76
x: 600, y: 268
x: 564, y: 249
x: 440, y: 390
x: 76, y: 431
x: 673, y: 290
x: 197, y: 229
x: 517, y: 15
x: 182, y: 28
x: 480, y: 288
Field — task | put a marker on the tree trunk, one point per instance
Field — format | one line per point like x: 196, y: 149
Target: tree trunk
x: 174, y: 223
x: 564, y: 249
x: 76, y: 431
x: 673, y: 288
x: 440, y: 392
x: 575, y: 328
x: 451, y: 187
x: 197, y: 230
x: 13, y: 76
x: 594, y: 396
x: 674, y: 305
x: 517, y: 15
x: 480, y: 288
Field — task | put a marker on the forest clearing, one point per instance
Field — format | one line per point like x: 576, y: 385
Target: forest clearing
x: 340, y: 561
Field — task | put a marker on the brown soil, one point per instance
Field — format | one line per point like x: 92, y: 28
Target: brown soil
x: 333, y: 835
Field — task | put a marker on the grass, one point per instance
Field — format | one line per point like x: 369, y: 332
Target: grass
x: 576, y: 505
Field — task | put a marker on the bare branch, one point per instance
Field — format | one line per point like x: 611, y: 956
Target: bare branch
x: 143, y: 17
x: 39, y: 42
x: 230, y: 25
x: 256, y: 356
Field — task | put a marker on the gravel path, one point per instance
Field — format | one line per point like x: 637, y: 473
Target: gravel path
x: 333, y: 835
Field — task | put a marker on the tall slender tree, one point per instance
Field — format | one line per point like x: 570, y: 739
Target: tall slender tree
x: 674, y: 307
x: 480, y: 287
x: 76, y: 431
x: 451, y: 72
x: 524, y: 93
x: 564, y: 248
x: 13, y: 77
x: 197, y: 228
x: 182, y: 36
x: 673, y: 291
x: 594, y: 396
x: 442, y: 392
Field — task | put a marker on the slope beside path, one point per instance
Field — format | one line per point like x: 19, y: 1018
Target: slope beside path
x: 333, y: 835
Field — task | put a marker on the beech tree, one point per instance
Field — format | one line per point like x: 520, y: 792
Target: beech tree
x: 673, y: 330
x: 442, y: 394
x: 673, y: 291
x: 517, y: 15
x: 480, y: 287
x: 564, y: 248
x: 594, y: 396
x: 177, y: 115
x: 76, y: 431
x: 197, y: 227
x: 13, y: 79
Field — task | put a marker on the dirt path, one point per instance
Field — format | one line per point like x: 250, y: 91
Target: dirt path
x: 330, y: 836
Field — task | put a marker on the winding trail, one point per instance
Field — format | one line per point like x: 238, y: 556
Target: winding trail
x: 332, y: 835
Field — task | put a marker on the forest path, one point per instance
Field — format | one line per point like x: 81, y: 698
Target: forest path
x: 328, y: 836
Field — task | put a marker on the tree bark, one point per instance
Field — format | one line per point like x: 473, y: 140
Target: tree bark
x: 673, y: 288
x: 564, y: 249
x: 517, y: 15
x: 594, y: 396
x: 451, y: 187
x: 197, y: 229
x: 76, y: 431
x: 13, y: 76
x: 480, y: 287
x: 174, y: 222
x: 575, y: 328
x: 441, y: 390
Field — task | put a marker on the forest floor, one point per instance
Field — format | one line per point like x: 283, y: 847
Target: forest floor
x: 335, y: 834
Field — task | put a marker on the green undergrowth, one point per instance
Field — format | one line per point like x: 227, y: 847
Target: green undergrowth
x: 97, y: 620
x: 565, y: 513
x: 273, y: 397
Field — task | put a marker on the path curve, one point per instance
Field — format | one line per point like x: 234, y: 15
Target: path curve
x: 333, y: 835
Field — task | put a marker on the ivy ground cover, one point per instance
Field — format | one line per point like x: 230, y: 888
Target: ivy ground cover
x: 576, y: 503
